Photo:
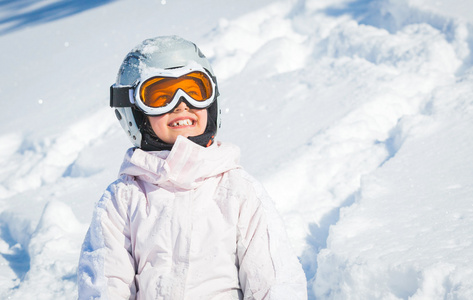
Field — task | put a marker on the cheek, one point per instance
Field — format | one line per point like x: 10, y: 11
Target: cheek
x: 158, y: 124
x: 202, y: 114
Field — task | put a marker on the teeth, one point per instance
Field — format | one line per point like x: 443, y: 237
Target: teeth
x: 182, y: 123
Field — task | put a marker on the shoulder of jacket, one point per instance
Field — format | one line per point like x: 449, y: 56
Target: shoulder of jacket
x: 123, y: 182
x: 124, y: 189
x: 244, y: 185
x: 248, y: 179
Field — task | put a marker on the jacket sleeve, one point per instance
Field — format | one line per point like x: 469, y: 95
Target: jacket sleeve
x: 268, y: 267
x: 106, y: 267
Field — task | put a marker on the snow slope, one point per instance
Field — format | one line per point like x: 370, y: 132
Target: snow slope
x: 356, y: 115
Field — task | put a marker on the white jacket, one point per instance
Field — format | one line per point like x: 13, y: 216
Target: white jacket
x: 187, y: 224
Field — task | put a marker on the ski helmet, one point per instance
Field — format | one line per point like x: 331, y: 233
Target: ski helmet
x: 161, y: 55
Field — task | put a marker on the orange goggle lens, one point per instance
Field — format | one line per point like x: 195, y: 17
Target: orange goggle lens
x: 159, y: 91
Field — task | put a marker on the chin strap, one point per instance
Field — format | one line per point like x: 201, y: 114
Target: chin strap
x: 151, y: 142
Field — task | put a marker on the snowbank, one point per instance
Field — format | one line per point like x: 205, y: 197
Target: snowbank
x: 356, y: 115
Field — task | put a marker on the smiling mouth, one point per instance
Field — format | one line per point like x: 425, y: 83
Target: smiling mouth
x: 185, y: 122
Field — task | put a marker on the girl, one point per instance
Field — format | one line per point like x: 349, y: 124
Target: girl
x: 183, y: 220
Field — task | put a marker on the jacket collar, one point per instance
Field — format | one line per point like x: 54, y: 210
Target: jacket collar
x: 186, y: 166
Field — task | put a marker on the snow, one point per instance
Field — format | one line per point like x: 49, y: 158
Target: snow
x: 356, y: 116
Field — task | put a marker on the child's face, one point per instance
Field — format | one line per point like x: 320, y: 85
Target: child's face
x: 181, y: 121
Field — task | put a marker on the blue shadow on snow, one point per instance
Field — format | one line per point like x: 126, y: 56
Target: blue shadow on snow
x: 18, y: 257
x: 366, y: 12
x: 25, y: 13
x: 317, y: 240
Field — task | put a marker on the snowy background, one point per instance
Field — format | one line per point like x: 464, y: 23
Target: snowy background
x: 356, y: 115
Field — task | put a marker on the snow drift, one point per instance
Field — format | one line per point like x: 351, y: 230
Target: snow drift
x: 356, y: 115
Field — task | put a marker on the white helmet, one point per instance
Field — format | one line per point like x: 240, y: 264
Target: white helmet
x: 167, y: 57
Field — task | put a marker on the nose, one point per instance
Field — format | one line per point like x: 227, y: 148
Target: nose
x: 181, y: 107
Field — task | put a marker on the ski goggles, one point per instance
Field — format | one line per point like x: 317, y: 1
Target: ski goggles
x: 165, y: 89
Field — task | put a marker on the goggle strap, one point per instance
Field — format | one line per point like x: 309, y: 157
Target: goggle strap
x: 214, y: 79
x: 120, y: 96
